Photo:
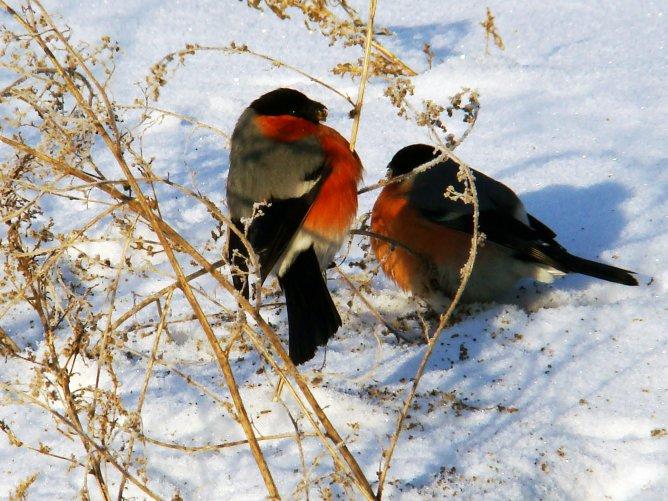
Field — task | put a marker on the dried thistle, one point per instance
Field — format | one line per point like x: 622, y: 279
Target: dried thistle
x: 21, y: 490
x: 10, y: 434
x: 426, y: 49
x: 492, y: 32
x: 397, y: 91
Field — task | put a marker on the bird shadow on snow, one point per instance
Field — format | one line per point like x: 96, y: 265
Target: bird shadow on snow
x: 587, y: 220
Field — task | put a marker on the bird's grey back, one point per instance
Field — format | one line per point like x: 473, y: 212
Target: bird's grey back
x: 262, y: 168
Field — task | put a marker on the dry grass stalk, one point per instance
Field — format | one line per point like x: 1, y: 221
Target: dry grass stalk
x: 491, y: 32
x: 147, y: 376
x: 374, y: 311
x: 190, y: 449
x: 142, y: 209
x: 365, y: 74
x: 97, y: 115
x: 115, y: 146
x: 159, y: 71
x: 146, y: 108
x: 90, y: 443
x: 21, y: 491
x: 8, y: 346
x: 471, y: 196
x: 179, y: 242
x: 350, y: 30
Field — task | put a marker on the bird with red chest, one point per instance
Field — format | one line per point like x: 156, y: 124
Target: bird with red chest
x: 292, y: 188
x: 434, y: 235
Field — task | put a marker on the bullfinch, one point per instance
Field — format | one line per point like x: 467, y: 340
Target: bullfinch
x: 292, y: 189
x: 433, y: 233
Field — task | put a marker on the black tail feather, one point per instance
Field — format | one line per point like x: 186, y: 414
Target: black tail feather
x: 237, y: 256
x: 312, y: 315
x: 597, y: 270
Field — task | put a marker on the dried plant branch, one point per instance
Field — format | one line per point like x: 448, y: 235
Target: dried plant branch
x: 97, y: 117
x: 393, y: 58
x: 111, y: 119
x: 187, y: 378
x: 331, y: 441
x: 465, y: 272
x: 397, y: 179
x: 158, y: 294
x: 374, y: 311
x: 147, y: 376
x: 186, y: 118
x: 183, y: 245
x: 7, y: 345
x: 159, y: 69
x: 90, y: 442
x: 19, y: 494
x: 491, y: 31
x: 226, y: 445
x: 115, y: 148
x: 57, y: 251
x: 365, y: 74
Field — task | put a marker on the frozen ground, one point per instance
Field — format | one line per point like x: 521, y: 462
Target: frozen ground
x: 559, y: 403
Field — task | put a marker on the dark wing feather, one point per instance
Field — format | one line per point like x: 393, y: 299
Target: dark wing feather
x: 526, y: 242
x: 503, y: 218
x: 544, y: 230
x: 271, y: 231
x: 504, y: 221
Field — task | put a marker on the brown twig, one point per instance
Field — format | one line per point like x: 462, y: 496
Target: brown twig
x: 147, y: 376
x: 393, y: 57
x: 115, y: 148
x: 158, y: 294
x: 181, y: 243
x: 141, y: 207
x: 391, y: 328
x: 180, y: 116
x: 90, y: 442
x: 466, y: 271
x: 234, y: 48
x: 217, y: 447
x: 365, y: 73
x: 397, y: 179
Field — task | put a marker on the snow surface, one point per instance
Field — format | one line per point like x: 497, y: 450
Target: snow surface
x: 558, y: 403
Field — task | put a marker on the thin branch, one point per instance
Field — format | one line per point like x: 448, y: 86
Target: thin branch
x: 393, y: 57
x: 226, y: 445
x: 397, y: 179
x: 466, y: 271
x: 365, y: 73
x: 82, y: 434
x: 244, y: 49
x: 115, y: 148
x: 180, y: 116
x: 391, y: 241
x: 391, y: 328
x: 147, y: 377
x: 182, y: 244
x: 158, y: 294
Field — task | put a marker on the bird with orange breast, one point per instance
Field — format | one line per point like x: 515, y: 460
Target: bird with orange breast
x: 428, y: 235
x: 292, y: 189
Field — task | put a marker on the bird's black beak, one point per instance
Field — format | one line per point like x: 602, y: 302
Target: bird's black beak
x: 321, y: 113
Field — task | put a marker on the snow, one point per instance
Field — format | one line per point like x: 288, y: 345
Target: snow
x: 558, y: 402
